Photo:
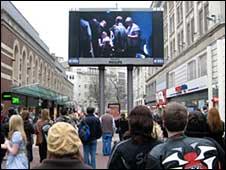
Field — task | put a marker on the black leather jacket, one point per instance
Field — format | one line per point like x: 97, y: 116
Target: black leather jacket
x: 184, y: 152
x: 128, y: 155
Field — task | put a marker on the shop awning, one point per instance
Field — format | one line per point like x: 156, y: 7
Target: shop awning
x: 36, y: 90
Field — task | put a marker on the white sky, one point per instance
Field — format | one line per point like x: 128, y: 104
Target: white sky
x: 50, y: 19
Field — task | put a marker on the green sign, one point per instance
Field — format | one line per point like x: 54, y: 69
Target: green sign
x: 6, y: 96
x: 15, y: 100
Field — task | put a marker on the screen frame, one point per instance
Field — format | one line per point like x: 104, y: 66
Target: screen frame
x: 119, y: 62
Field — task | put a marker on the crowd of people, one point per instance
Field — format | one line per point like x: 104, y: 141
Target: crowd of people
x: 174, y: 139
x: 122, y: 39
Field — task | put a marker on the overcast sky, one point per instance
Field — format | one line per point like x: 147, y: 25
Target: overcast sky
x: 50, y: 19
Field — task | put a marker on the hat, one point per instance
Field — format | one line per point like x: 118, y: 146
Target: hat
x: 63, y: 139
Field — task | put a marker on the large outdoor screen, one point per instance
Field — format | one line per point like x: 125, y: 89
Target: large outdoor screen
x: 116, y: 38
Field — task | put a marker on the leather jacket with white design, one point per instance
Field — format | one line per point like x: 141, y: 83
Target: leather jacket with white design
x: 184, y: 152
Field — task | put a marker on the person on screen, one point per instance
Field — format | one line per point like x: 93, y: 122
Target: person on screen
x: 86, y: 48
x: 97, y: 28
x: 119, y: 37
x: 106, y: 45
x: 133, y: 37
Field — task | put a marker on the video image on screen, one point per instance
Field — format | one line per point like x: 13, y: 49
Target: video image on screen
x: 115, y: 34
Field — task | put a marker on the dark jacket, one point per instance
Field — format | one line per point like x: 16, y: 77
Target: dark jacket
x: 29, y: 130
x: 95, y: 127
x: 218, y: 135
x: 186, y: 153
x: 63, y: 164
x: 128, y: 155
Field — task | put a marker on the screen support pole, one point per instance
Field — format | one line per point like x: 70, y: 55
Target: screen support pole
x: 101, y: 90
x: 129, y: 88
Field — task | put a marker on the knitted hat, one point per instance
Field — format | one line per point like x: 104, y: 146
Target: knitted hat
x: 63, y: 139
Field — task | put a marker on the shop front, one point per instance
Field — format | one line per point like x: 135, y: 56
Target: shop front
x: 38, y: 97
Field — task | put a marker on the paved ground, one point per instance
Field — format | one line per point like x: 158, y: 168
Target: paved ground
x: 101, y: 161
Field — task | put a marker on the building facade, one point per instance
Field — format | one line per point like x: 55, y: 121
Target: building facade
x: 86, y: 86
x: 27, y: 67
x: 194, y: 35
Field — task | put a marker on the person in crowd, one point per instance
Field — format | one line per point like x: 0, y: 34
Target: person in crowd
x: 197, y: 125
x: 64, y: 117
x: 132, y: 152
x: 2, y: 136
x: 119, y: 37
x: 180, y: 151
x: 133, y: 37
x: 40, y: 141
x: 157, y: 132
x: 29, y: 131
x: 216, y: 126
x: 16, y: 145
x: 90, y: 146
x: 108, y: 128
x: 86, y: 49
x: 63, y: 146
x: 205, y: 110
x: 123, y: 126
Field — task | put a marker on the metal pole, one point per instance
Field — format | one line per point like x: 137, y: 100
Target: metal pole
x: 129, y: 88
x: 101, y: 90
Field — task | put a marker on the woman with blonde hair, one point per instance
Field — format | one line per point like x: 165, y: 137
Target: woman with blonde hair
x: 16, y: 145
x: 38, y: 131
x: 216, y: 126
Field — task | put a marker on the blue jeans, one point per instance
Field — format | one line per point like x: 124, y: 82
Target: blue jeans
x: 90, y: 150
x: 107, y: 138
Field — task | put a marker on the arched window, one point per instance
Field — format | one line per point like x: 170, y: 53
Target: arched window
x: 16, y: 64
x: 24, y: 68
x: 40, y: 73
x: 30, y: 69
x: 35, y: 71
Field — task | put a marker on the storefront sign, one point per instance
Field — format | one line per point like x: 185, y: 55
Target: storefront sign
x: 6, y: 96
x: 188, y: 87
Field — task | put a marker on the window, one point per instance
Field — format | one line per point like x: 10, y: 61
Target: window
x: 192, y: 30
x: 188, y: 6
x: 171, y: 4
x: 171, y: 80
x: 188, y: 33
x: 201, y: 22
x: 173, y: 48
x: 191, y: 70
x: 172, y: 24
x: 166, y: 52
x: 179, y: 13
x: 165, y: 33
x: 202, y: 65
x: 165, y: 9
x: 206, y: 13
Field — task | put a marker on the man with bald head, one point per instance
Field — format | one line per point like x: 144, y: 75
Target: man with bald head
x: 108, y: 128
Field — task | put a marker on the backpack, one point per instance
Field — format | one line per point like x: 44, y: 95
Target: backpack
x: 84, y: 131
x: 45, y: 130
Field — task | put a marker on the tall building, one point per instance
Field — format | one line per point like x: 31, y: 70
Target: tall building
x: 86, y: 86
x: 139, y: 89
x: 28, y: 70
x: 194, y: 52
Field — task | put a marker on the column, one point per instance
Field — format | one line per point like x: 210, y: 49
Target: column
x: 221, y: 76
